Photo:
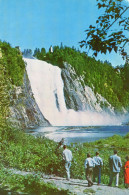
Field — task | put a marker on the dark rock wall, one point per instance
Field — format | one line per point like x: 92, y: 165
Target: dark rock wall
x: 24, y: 111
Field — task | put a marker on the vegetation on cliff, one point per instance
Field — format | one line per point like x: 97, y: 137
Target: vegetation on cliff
x: 13, y: 63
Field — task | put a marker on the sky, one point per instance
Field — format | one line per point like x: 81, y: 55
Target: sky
x: 34, y: 24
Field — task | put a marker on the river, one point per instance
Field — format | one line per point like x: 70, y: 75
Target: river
x: 79, y: 134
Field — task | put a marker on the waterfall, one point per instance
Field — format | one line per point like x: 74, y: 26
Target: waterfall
x: 47, y: 87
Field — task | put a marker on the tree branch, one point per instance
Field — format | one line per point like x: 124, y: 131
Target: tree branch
x: 117, y: 18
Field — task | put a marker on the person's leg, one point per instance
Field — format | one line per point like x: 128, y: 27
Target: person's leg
x: 67, y: 170
x: 88, y: 177
x: 99, y: 175
x: 95, y: 173
x: 117, y: 179
x: 111, y: 179
x: 69, y: 165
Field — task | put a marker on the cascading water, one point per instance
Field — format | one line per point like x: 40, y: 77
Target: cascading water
x: 47, y: 87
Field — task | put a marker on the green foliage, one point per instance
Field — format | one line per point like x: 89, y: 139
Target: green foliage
x: 27, y: 53
x: 89, y: 191
x: 99, y: 38
x: 4, y: 96
x: 32, y: 184
x: 13, y: 63
x: 40, y: 54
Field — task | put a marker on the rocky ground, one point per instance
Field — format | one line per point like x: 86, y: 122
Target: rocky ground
x: 79, y: 187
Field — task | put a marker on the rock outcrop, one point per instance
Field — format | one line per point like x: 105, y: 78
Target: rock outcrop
x: 24, y: 111
x: 78, y: 96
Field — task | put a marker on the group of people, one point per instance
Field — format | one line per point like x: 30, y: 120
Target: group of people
x: 94, y: 165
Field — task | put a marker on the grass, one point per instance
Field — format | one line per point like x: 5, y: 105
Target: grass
x: 89, y: 191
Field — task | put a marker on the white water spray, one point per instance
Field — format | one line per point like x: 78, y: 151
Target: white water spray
x: 47, y: 87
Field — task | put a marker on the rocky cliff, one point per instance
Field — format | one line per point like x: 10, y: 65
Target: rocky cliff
x: 78, y: 96
x: 24, y: 111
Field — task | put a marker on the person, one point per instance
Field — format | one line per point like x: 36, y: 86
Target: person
x: 126, y: 173
x: 89, y: 164
x: 67, y: 157
x: 115, y: 165
x: 98, y: 165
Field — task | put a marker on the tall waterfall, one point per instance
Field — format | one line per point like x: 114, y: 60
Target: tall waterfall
x: 47, y: 87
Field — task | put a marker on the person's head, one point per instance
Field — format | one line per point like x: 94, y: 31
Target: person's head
x: 115, y: 151
x: 97, y: 153
x: 88, y: 155
x: 64, y: 147
x: 127, y: 158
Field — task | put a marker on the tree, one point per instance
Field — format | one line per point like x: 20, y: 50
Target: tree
x: 27, y: 53
x: 4, y: 96
x: 103, y: 37
x: 43, y: 51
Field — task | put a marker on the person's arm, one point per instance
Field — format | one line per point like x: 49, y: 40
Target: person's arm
x: 94, y: 162
x: 85, y: 164
x: 64, y: 158
x: 101, y: 162
x: 71, y: 156
x: 120, y: 163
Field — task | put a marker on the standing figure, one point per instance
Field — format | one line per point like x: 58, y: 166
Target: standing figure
x: 98, y: 165
x: 67, y: 157
x: 89, y: 164
x: 115, y: 165
x: 126, y: 174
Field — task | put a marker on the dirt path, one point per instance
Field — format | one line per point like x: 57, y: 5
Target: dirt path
x: 79, y: 187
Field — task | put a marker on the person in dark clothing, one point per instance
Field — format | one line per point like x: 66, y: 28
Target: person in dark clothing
x: 98, y: 165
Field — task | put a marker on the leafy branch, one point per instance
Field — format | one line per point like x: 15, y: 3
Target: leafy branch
x: 99, y: 38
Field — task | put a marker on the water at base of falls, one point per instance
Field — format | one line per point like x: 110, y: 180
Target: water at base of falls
x: 79, y: 134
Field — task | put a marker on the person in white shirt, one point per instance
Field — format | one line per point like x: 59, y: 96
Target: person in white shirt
x: 89, y: 164
x: 98, y: 165
x: 67, y: 157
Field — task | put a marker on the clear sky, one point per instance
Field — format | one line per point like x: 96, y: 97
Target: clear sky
x: 42, y: 23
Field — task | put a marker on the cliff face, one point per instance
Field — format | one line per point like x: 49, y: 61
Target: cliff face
x: 24, y: 111
x: 78, y: 96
